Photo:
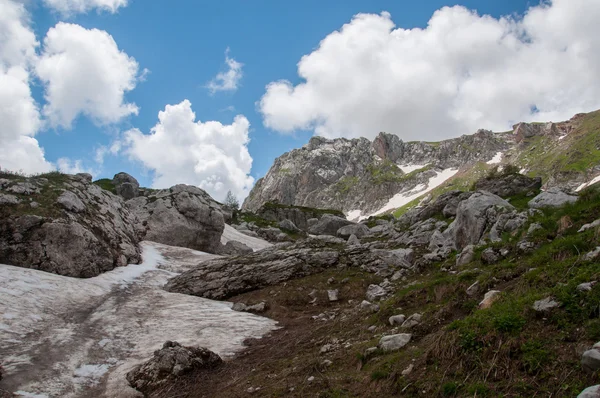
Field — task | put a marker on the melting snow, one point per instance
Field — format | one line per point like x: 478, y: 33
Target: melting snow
x: 587, y: 184
x: 403, y: 198
x: 408, y: 168
x: 231, y: 233
x: 68, y: 337
x: 353, y: 215
x: 496, y: 159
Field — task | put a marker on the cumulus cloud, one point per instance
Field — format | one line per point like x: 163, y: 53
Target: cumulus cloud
x: 180, y: 149
x: 19, y: 114
x: 84, y: 72
x: 70, y: 166
x: 70, y: 7
x: 229, y: 80
x: 460, y: 73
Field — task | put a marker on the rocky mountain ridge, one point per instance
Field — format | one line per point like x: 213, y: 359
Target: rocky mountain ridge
x: 361, y: 177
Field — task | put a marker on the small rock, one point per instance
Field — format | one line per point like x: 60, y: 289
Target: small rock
x: 534, y: 227
x: 590, y: 361
x: 372, y: 329
x: 590, y: 392
x: 590, y: 226
x: 375, y: 292
x: 288, y: 225
x: 326, y: 348
x: 490, y: 298
x: 466, y: 256
x: 397, y: 320
x: 489, y: 256
x: 353, y: 240
x: 593, y: 255
x: 333, y: 295
x: 408, y: 370
x: 9, y: 200
x: 586, y: 287
x: 326, y: 363
x: 260, y: 307
x: 34, y: 205
x: 412, y: 321
x: 345, y: 280
x: 525, y: 246
x: 370, y: 351
x: 331, y: 281
x: 473, y: 289
x: 240, y: 307
x: 553, y: 197
x: 394, y: 342
x: 311, y: 379
x: 545, y: 305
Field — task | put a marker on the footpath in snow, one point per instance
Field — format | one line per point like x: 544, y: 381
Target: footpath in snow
x: 68, y: 337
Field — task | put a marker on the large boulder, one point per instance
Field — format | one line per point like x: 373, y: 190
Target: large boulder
x: 474, y: 217
x: 75, y: 228
x: 359, y: 230
x: 170, y: 362
x: 182, y: 215
x: 298, y: 215
x: 329, y: 225
x: 509, y: 185
x: 126, y: 186
x: 553, y: 197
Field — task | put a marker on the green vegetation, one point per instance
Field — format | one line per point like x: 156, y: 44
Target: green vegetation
x: 106, y: 184
x: 311, y: 210
x: 49, y: 191
x: 388, y: 172
x: 345, y: 184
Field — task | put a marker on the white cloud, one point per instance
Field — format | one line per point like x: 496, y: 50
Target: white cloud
x: 229, y: 80
x: 102, y: 151
x: 460, y: 73
x: 85, y: 73
x: 70, y: 7
x: 70, y: 166
x: 19, y: 114
x: 180, y: 149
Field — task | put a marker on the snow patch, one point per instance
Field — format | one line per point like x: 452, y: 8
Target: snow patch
x: 353, y: 215
x: 230, y: 233
x: 90, y: 374
x: 403, y: 198
x: 496, y: 159
x: 26, y: 394
x: 587, y: 184
x: 409, y: 168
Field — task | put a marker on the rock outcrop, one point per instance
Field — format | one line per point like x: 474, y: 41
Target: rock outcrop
x: 126, y: 186
x: 553, y: 197
x: 509, y: 185
x: 182, y: 215
x: 66, y: 225
x: 171, y: 361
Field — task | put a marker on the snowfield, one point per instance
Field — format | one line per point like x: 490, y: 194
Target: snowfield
x: 496, y: 159
x: 68, y: 337
x: 587, y: 184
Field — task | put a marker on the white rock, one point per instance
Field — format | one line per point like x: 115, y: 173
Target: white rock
x: 412, y: 321
x: 408, y: 370
x: 394, y: 342
x: 375, y: 292
x: 590, y: 226
x: 333, y: 295
x: 490, y: 298
x: 545, y: 305
x: 586, y: 287
x: 397, y: 320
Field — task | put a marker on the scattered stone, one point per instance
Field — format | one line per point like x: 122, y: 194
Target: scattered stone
x: 241, y: 307
x: 370, y: 351
x: 590, y: 361
x: 490, y: 298
x: 590, y: 392
x: 525, y: 246
x: 397, y: 320
x: 553, y: 197
x: 326, y: 348
x: 372, y: 329
x: 473, y: 289
x: 408, y: 370
x: 311, y: 379
x: 593, y: 255
x: 586, y: 287
x: 331, y: 281
x: 590, y: 226
x: 329, y: 225
x: 534, y: 227
x: 171, y: 361
x: 24, y: 188
x: 252, y: 390
x: 412, y: 321
x: 326, y: 363
x: 466, y: 256
x: 34, y: 205
x: 489, y: 256
x: 394, y: 342
x: 333, y: 295
x: 375, y: 292
x: 545, y: 304
x: 9, y: 200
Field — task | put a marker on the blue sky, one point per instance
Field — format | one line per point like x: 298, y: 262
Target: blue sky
x: 182, y: 44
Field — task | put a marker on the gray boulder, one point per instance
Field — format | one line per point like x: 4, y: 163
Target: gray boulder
x: 329, y: 225
x: 590, y: 392
x: 396, y: 320
x: 489, y: 256
x: 394, y: 342
x: 466, y: 256
x: 126, y: 186
x: 9, y: 200
x: 168, y: 363
x: 358, y: 230
x: 88, y: 232
x: 553, y: 197
x: 375, y: 292
x: 474, y: 217
x: 289, y: 226
x: 235, y: 248
x: 353, y: 240
x: 182, y: 215
x: 590, y: 361
x: 545, y: 305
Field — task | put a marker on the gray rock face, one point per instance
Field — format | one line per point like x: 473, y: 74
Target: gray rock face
x: 553, y: 197
x: 358, y: 230
x: 590, y: 361
x: 126, y: 186
x: 182, y: 215
x: 474, y: 217
x: 509, y: 185
x: 86, y: 232
x: 394, y: 342
x: 361, y: 175
x: 329, y: 225
x: 171, y: 361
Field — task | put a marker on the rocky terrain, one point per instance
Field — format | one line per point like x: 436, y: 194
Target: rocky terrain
x: 486, y: 286
x: 363, y: 178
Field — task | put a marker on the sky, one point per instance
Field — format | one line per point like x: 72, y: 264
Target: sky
x: 210, y: 93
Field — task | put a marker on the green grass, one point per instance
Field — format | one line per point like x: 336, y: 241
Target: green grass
x: 106, y: 184
x: 345, y: 184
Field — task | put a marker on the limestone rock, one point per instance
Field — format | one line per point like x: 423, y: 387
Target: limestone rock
x: 288, y: 225
x: 235, y: 248
x: 126, y: 186
x: 333, y: 295
x: 71, y: 202
x: 394, y: 342
x: 489, y: 256
x: 489, y: 298
x: 8, y: 199
x: 412, y: 321
x: 329, y: 225
x: 466, y: 256
x: 170, y: 362
x: 545, y: 305
x: 553, y: 197
x: 375, y: 292
x: 509, y: 185
x: 396, y: 320
x: 358, y: 230
x: 353, y: 240
x: 591, y: 225
x: 590, y: 361
x: 590, y: 392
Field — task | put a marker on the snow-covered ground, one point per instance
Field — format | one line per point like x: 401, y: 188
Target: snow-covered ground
x: 496, y: 159
x: 403, y: 198
x: 231, y: 233
x: 67, y: 337
x: 408, y: 168
x: 587, y: 184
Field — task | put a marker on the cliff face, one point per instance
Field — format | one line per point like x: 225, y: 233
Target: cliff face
x: 360, y: 175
